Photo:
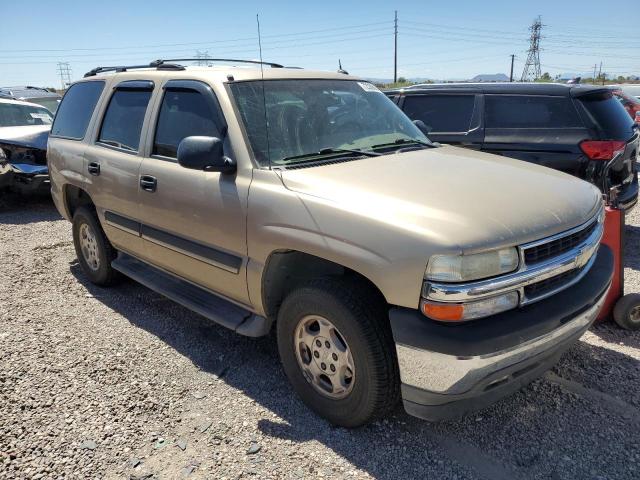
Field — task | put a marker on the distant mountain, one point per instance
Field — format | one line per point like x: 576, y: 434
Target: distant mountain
x: 490, y: 77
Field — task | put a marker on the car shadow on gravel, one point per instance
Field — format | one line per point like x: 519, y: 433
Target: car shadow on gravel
x: 544, y: 431
x: 17, y: 209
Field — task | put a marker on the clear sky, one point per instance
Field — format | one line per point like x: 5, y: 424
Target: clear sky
x: 441, y: 40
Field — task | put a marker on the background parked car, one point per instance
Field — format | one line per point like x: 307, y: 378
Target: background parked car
x: 41, y: 96
x: 24, y: 130
x: 632, y: 89
x: 630, y: 103
x: 577, y: 129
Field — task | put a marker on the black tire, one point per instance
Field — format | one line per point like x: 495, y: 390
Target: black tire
x: 360, y: 315
x: 104, y: 275
x: 626, y: 312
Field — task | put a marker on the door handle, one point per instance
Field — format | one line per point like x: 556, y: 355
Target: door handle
x: 94, y: 168
x: 148, y: 183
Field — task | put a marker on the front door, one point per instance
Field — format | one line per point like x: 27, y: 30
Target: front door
x: 193, y: 221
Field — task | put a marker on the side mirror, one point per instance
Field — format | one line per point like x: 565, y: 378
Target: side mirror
x: 422, y: 127
x: 204, y: 153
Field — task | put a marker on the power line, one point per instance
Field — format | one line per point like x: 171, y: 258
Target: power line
x: 210, y: 42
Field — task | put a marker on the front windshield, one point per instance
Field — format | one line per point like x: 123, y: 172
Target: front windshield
x: 17, y: 115
x: 306, y: 117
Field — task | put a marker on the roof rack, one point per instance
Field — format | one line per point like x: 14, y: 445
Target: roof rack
x: 163, y: 64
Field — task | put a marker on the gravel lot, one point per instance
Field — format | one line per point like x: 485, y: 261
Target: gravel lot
x: 122, y: 383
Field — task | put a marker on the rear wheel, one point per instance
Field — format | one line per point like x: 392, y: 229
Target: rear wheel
x: 336, y: 349
x: 93, y: 249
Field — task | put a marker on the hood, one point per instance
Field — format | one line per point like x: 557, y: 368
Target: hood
x: 31, y: 136
x: 466, y: 199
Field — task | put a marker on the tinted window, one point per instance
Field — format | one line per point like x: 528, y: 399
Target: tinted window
x: 530, y: 111
x: 76, y: 109
x: 122, y: 123
x: 609, y: 114
x: 15, y: 115
x: 183, y: 114
x: 443, y: 113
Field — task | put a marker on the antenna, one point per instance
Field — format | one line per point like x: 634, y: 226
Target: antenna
x: 340, y: 70
x: 264, y: 99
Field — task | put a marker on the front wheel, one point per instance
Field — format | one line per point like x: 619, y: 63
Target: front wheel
x: 336, y: 349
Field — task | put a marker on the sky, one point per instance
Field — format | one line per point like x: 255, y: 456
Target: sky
x: 438, y: 40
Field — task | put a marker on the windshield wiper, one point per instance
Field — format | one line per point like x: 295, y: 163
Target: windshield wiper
x: 405, y: 141
x: 329, y: 151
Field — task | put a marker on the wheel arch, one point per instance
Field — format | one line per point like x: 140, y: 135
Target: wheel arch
x: 286, y: 269
x: 75, y: 197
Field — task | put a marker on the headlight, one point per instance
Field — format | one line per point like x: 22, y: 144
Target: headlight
x: 462, y: 268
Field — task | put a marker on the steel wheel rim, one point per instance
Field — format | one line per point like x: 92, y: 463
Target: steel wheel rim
x: 324, y: 357
x: 89, y: 247
x: 634, y: 314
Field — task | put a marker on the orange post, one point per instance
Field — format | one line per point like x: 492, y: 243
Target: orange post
x: 613, y: 238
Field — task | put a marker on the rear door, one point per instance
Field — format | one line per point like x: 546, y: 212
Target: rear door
x: 453, y: 116
x: 113, y: 160
x: 541, y: 129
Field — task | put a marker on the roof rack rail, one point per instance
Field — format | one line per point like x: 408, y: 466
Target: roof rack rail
x: 236, y: 60
x: 163, y: 64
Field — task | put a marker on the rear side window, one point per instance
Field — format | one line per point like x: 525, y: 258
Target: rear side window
x: 442, y: 113
x: 183, y: 113
x: 122, y: 123
x: 609, y: 115
x: 74, y: 113
x: 530, y: 111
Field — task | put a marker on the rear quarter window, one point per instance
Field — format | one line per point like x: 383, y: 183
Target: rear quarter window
x: 75, y: 110
x: 530, y: 111
x: 442, y: 113
x: 609, y: 115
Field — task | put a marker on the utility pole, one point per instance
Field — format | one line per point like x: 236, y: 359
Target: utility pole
x: 65, y: 74
x: 595, y: 67
x: 511, y: 75
x: 532, y: 69
x: 600, y: 73
x: 395, y: 47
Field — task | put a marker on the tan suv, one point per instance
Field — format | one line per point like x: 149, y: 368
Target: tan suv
x: 389, y: 265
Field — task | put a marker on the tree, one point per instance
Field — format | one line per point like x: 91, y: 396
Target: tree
x: 402, y: 80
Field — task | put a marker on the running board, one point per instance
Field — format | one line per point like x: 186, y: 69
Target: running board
x: 194, y: 298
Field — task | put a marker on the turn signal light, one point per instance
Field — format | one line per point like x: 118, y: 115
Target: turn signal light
x: 601, y: 149
x: 443, y: 311
x: 460, y: 312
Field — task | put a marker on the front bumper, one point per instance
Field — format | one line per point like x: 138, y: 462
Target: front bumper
x: 24, y: 178
x: 448, y: 370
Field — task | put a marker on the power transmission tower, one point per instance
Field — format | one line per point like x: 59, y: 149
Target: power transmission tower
x: 395, y: 48
x: 65, y: 74
x: 202, y: 58
x: 532, y: 65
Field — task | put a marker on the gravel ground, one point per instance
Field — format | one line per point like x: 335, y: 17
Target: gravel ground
x: 122, y: 383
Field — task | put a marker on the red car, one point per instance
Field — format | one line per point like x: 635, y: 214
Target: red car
x: 630, y: 104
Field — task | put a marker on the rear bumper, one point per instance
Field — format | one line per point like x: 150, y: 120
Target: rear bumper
x: 628, y: 198
x: 448, y: 370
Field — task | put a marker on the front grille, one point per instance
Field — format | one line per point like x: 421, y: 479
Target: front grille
x: 545, y: 251
x: 550, y: 284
